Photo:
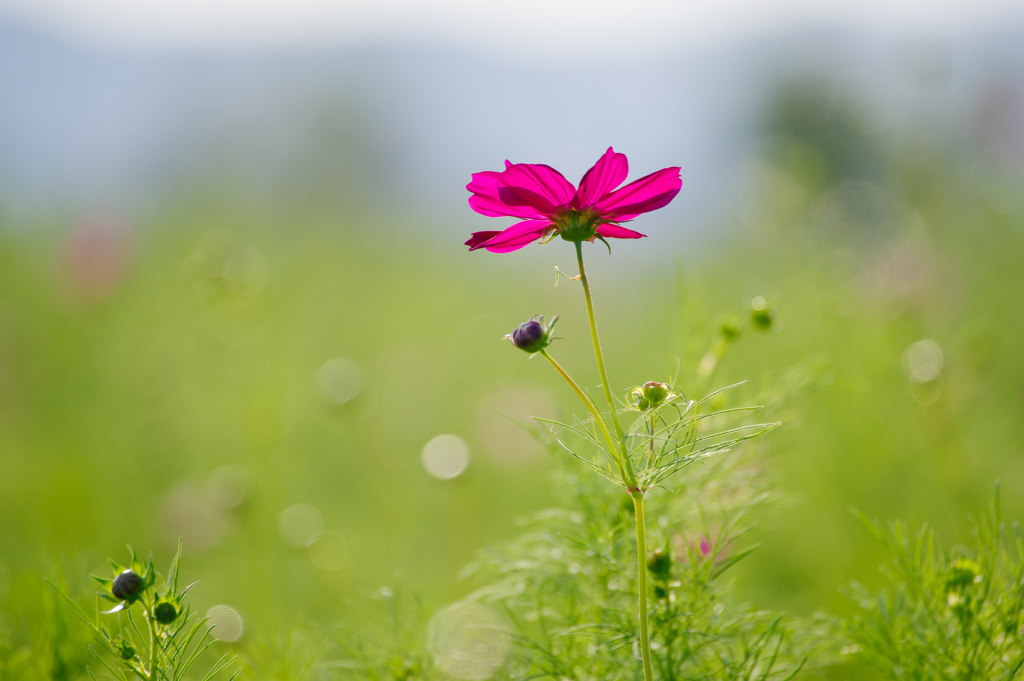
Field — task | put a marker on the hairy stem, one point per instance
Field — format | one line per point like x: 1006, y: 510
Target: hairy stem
x: 641, y: 566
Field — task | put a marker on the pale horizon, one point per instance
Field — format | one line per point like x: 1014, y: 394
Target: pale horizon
x: 537, y: 30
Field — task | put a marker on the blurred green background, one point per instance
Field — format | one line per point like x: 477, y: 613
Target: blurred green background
x: 268, y: 384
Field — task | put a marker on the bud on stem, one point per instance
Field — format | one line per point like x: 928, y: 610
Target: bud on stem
x: 533, y: 336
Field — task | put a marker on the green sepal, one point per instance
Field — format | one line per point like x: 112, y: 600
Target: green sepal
x: 104, y: 582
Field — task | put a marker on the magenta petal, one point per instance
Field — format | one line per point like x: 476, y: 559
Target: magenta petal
x: 642, y: 196
x: 477, y: 239
x: 485, y: 199
x: 508, y: 248
x: 610, y: 231
x: 515, y: 237
x: 608, y: 173
x: 536, y: 185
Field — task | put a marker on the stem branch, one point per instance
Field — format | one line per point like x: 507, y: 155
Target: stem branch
x: 594, y: 411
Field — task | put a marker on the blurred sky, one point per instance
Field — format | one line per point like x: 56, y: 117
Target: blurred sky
x: 113, y: 105
x: 531, y: 30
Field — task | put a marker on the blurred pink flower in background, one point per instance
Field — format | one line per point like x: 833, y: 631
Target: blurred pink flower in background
x: 96, y: 257
x: 549, y: 204
x: 699, y: 549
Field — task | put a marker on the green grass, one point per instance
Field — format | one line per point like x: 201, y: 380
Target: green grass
x: 115, y: 411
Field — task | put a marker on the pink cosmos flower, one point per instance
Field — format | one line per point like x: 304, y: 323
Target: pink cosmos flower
x: 549, y: 204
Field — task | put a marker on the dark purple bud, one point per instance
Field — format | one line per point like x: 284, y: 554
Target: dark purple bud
x: 127, y: 585
x: 534, y: 335
x: 528, y: 336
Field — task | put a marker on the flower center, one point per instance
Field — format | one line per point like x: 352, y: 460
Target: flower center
x: 576, y: 225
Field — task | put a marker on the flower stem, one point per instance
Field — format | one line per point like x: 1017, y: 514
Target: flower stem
x: 594, y: 411
x: 153, y: 642
x: 650, y: 451
x: 641, y: 555
x: 629, y: 477
x: 597, y: 343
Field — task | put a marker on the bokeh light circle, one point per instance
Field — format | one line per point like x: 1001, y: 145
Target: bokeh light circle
x: 245, y: 271
x: 446, y: 456
x: 229, y: 486
x: 340, y: 380
x: 469, y: 642
x: 301, y: 525
x: 227, y: 623
x: 922, y: 361
x: 330, y: 552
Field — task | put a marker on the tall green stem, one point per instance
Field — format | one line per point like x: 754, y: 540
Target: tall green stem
x: 153, y: 667
x: 629, y: 477
x: 597, y: 343
x: 641, y: 555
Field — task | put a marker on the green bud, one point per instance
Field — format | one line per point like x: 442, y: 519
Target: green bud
x: 760, y: 316
x: 655, y: 392
x: 651, y: 395
x: 125, y: 650
x: 659, y: 563
x: 730, y: 329
x: 962, y: 573
x: 165, y: 612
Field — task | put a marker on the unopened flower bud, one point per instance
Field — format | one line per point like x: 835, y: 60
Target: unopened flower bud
x: 533, y: 336
x: 963, y: 573
x: 528, y: 335
x: 761, y: 317
x: 127, y: 585
x: 125, y: 650
x: 730, y: 329
x: 655, y: 392
x: 165, y: 612
x: 659, y: 563
x: 651, y: 395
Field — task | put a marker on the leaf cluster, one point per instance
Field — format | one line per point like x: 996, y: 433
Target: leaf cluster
x: 664, y: 439
x: 160, y: 639
x: 947, y: 614
x: 389, y: 643
x: 567, y: 586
